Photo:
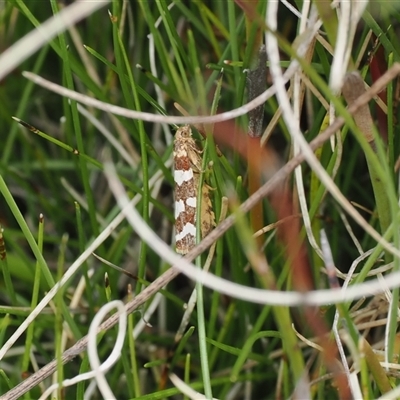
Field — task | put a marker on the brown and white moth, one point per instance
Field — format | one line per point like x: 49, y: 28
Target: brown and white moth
x: 187, y: 169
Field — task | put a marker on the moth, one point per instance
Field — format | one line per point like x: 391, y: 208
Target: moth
x: 187, y: 170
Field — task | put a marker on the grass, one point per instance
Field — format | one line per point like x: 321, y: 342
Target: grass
x: 314, y: 209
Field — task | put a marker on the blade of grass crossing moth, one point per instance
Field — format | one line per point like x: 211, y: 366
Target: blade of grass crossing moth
x: 190, y: 192
x: 191, y: 196
x: 204, y: 357
x: 193, y: 298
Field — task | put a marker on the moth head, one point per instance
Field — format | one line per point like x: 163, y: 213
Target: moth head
x: 184, y: 132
